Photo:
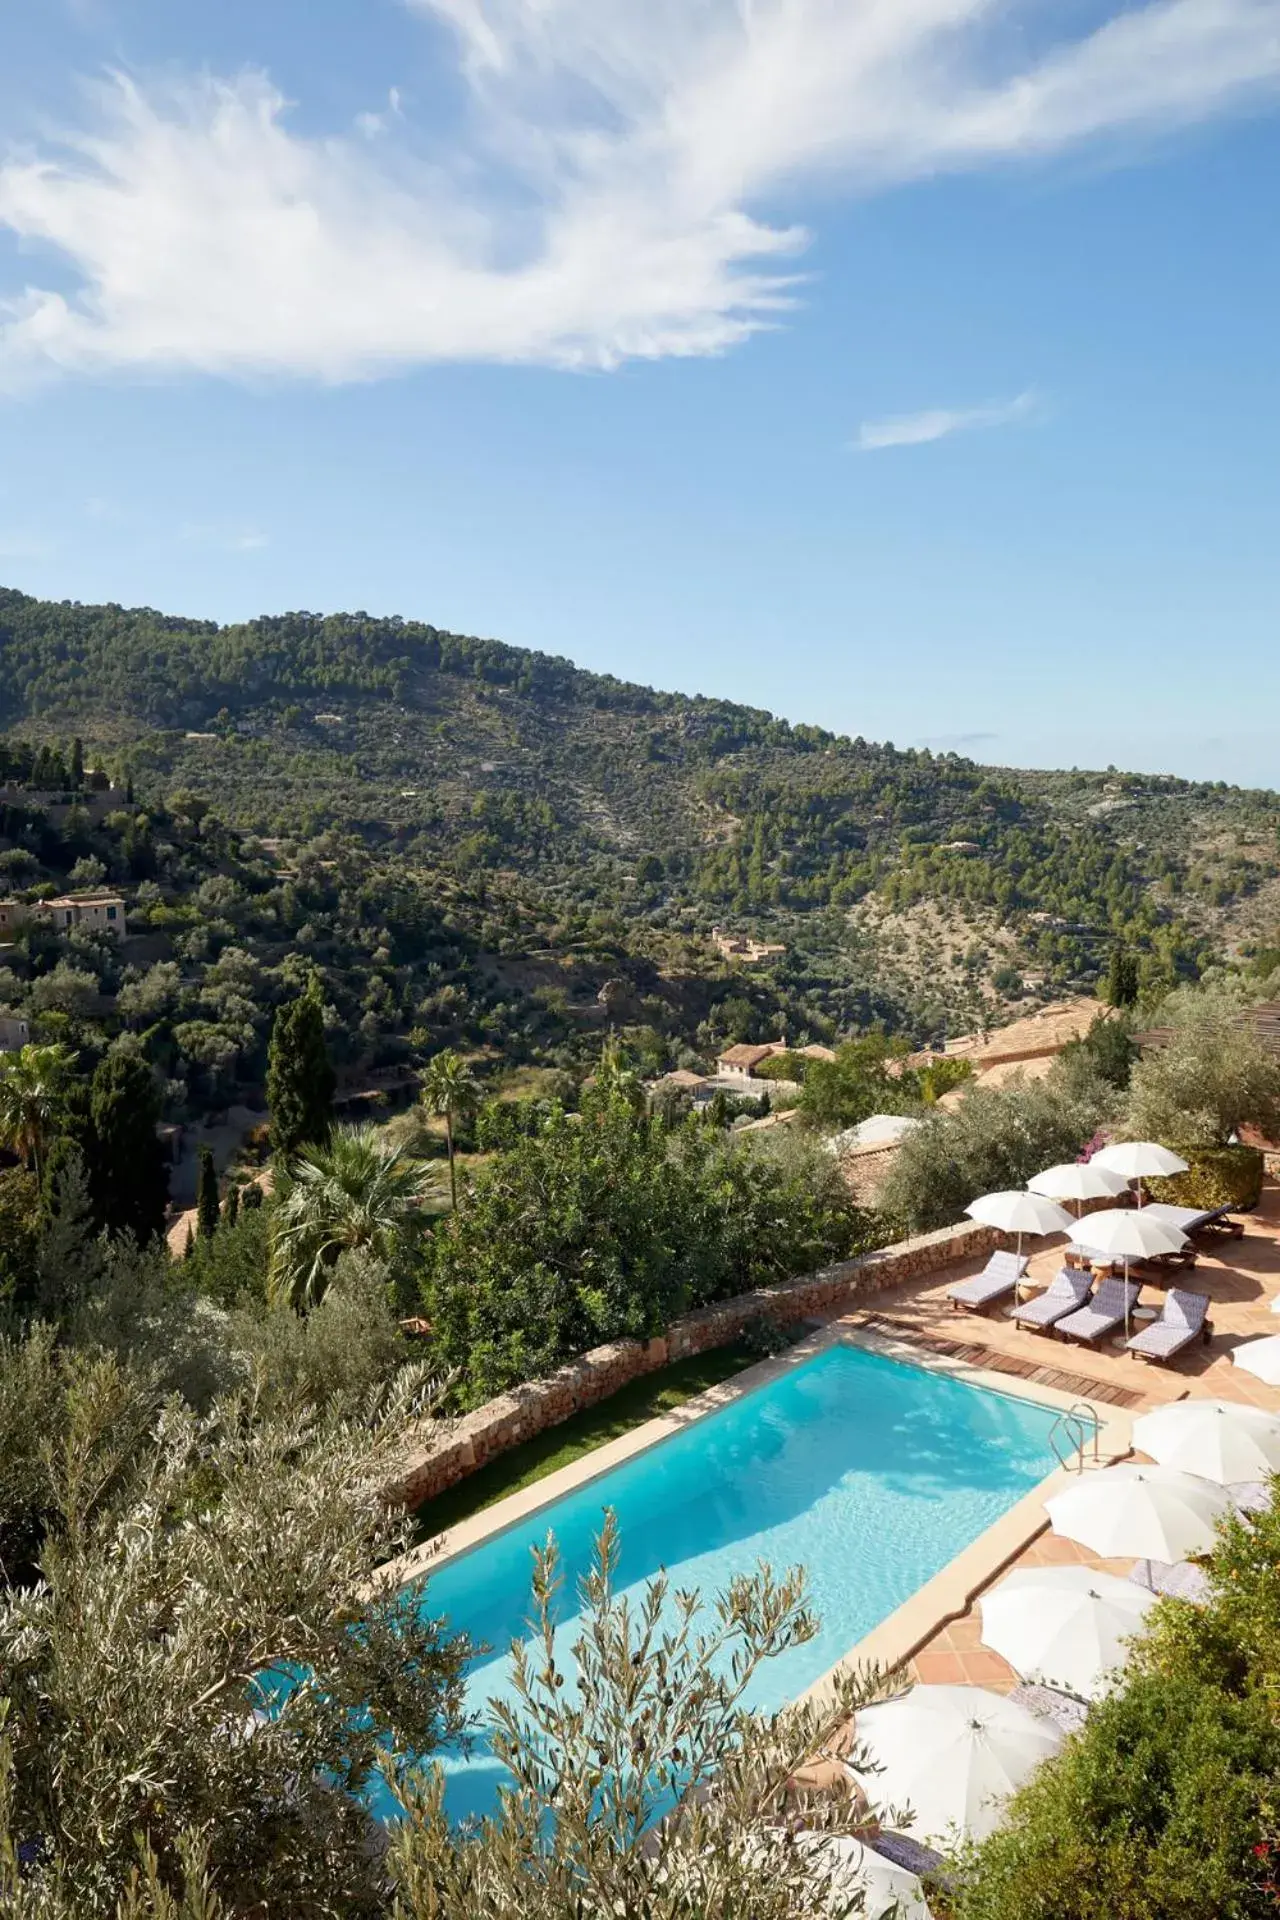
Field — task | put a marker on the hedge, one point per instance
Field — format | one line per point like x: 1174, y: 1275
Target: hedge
x: 1218, y: 1177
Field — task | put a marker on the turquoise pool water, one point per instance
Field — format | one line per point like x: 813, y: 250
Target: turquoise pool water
x: 870, y: 1473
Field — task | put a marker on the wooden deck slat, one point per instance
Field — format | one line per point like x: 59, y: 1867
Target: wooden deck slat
x: 973, y: 1355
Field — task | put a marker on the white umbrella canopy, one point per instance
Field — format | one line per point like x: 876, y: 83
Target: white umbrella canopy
x: 1217, y: 1439
x: 1118, y: 1233
x: 1078, y: 1180
x: 1121, y: 1234
x: 1261, y: 1358
x: 1018, y: 1212
x: 1064, y: 1627
x: 887, y: 1889
x: 953, y: 1755
x: 1139, y: 1160
x: 1151, y: 1513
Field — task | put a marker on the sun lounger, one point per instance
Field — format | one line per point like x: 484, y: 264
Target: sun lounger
x: 1001, y: 1275
x: 906, y: 1852
x: 1065, y: 1293
x: 1177, y: 1580
x: 1091, y: 1262
x: 1182, y: 1321
x: 1104, y: 1313
x: 1194, y: 1220
x: 1063, y: 1709
x: 1250, y: 1496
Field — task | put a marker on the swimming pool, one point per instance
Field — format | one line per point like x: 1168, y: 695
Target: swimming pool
x: 869, y: 1472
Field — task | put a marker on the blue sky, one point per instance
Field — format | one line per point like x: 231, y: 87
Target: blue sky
x: 903, y: 365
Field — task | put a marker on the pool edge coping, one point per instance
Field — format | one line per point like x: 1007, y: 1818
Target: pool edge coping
x: 901, y: 1633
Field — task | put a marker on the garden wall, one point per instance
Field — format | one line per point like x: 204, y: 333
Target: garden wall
x: 470, y: 1442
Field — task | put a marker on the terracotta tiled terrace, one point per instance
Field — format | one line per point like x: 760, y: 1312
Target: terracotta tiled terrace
x: 1241, y: 1277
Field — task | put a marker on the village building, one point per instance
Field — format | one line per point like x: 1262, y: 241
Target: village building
x: 14, y: 1033
x: 98, y: 912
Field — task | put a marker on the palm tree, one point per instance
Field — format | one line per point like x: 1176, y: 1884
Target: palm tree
x: 451, y: 1090
x: 32, y: 1083
x: 352, y: 1192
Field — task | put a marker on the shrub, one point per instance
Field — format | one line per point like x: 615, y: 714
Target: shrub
x: 230, y: 1266
x: 1164, y: 1804
x: 857, y: 1083
x: 1107, y: 1049
x: 608, y: 1227
x: 1154, y: 1809
x: 1218, y: 1177
x: 783, y: 1066
x: 997, y: 1138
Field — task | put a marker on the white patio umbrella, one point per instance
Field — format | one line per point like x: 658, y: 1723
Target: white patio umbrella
x: 1138, y: 1160
x: 1153, y: 1513
x: 953, y: 1755
x: 1020, y: 1213
x: 1261, y: 1358
x: 1078, y: 1180
x: 1119, y: 1234
x: 1064, y: 1627
x: 886, y: 1888
x: 1218, y: 1439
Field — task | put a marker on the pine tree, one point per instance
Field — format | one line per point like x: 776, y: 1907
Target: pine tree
x: 77, y: 763
x: 127, y: 1173
x: 206, y: 1195
x: 300, y: 1079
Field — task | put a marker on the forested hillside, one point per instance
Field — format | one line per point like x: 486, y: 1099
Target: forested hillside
x: 923, y: 889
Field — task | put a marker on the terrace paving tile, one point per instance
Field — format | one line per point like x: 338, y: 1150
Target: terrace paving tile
x: 940, y: 1669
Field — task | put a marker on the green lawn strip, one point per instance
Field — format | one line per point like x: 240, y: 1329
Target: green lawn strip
x: 631, y: 1406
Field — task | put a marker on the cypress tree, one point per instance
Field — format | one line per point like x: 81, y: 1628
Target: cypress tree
x: 77, y: 763
x: 231, y: 1207
x: 206, y: 1195
x: 252, y: 1198
x: 300, y: 1078
x: 127, y: 1174
x: 1122, y: 978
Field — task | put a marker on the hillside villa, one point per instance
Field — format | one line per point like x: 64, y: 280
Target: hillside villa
x: 96, y: 912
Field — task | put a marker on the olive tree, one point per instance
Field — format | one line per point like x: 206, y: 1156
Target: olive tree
x: 1213, y: 1076
x: 185, y: 1674
x: 640, y: 1784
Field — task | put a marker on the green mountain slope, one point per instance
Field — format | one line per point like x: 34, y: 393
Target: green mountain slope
x: 670, y: 811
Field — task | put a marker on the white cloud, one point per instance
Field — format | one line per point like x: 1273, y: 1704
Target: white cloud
x: 938, y: 423
x: 371, y: 125
x: 621, y: 182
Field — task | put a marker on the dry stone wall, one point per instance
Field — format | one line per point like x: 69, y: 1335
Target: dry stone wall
x: 472, y: 1441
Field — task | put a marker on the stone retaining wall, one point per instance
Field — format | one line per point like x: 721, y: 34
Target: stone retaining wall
x: 470, y: 1442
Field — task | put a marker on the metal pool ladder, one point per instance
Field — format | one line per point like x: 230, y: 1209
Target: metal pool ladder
x: 1071, y: 1432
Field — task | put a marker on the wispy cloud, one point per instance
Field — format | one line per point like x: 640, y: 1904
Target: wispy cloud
x: 599, y: 194
x: 939, y: 423
x: 372, y: 125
